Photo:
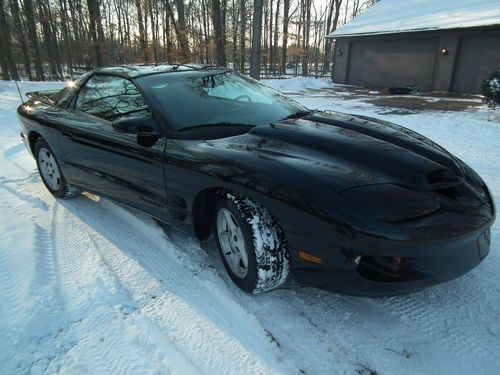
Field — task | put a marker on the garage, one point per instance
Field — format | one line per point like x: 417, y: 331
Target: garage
x: 391, y: 63
x: 478, y: 56
x: 435, y: 45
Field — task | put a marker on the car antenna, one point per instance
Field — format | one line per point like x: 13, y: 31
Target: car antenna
x: 18, y: 90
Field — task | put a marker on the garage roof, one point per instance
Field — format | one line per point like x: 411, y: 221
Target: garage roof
x: 395, y: 16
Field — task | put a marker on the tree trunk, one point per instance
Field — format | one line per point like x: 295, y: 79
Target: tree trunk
x: 234, y: 28
x: 14, y: 5
x: 305, y: 35
x: 330, y: 29
x: 286, y: 11
x: 153, y: 30
x: 30, y: 19
x: 270, y: 47
x: 78, y: 39
x: 53, y: 40
x: 256, y: 39
x: 3, y: 63
x: 243, y: 22
x: 220, y: 56
x: 6, y: 45
x: 67, y: 41
x: 93, y: 7
x: 182, y: 32
x: 142, y: 33
x: 47, y: 36
x: 275, y: 43
x: 206, y: 32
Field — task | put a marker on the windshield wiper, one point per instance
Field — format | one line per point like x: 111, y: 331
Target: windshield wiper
x: 223, y: 124
x: 298, y: 114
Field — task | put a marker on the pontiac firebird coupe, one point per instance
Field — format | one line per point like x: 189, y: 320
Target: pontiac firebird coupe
x: 343, y: 202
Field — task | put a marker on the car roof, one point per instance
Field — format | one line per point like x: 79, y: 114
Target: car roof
x: 135, y: 71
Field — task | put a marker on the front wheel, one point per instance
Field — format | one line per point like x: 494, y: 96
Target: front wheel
x: 51, y: 173
x: 252, y: 245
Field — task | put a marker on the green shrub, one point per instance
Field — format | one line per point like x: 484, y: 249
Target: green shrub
x: 491, y: 89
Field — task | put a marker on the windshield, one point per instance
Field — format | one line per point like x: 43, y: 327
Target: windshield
x: 199, y: 98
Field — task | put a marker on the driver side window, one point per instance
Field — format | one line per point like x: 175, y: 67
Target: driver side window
x: 111, y: 98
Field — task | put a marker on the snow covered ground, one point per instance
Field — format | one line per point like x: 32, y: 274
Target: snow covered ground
x: 88, y: 287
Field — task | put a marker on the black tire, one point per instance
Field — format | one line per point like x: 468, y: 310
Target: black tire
x: 265, y: 244
x: 64, y: 189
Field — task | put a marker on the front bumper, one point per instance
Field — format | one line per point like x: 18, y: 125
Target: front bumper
x: 410, y: 267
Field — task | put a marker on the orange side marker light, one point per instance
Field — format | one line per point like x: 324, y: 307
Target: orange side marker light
x: 309, y: 257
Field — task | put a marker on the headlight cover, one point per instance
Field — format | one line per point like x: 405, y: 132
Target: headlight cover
x: 477, y: 183
x: 392, y: 203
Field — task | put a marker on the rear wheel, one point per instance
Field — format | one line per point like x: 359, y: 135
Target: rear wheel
x: 51, y: 173
x: 252, y: 245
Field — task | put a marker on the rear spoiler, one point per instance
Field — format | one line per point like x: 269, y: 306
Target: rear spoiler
x: 43, y: 96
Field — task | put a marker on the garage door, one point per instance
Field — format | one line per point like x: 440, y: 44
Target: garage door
x: 393, y: 62
x: 478, y: 57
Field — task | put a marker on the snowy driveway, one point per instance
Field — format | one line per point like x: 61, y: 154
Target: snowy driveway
x: 88, y: 287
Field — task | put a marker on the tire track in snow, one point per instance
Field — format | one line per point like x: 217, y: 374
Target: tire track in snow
x: 16, y: 160
x: 12, y: 278
x: 48, y: 326
x: 446, y: 317
x: 50, y: 334
x: 26, y: 197
x: 158, y: 282
x: 13, y: 150
x: 96, y: 299
x: 29, y: 309
x: 45, y: 268
x: 319, y: 321
x: 36, y: 318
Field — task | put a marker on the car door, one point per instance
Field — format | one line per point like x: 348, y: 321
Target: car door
x: 105, y: 160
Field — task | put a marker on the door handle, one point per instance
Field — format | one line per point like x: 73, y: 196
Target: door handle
x: 67, y: 134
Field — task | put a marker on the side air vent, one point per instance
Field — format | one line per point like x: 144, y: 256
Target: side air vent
x: 442, y: 179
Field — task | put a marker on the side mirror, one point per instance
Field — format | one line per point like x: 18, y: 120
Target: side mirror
x: 146, y: 129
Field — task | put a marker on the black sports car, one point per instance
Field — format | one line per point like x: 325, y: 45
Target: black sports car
x: 343, y: 202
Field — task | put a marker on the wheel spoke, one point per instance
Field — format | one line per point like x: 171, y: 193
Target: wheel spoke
x: 232, y: 243
x: 224, y: 235
x: 49, y: 169
x: 229, y: 220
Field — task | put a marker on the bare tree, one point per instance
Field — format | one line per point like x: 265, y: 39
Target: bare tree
x: 63, y: 34
x: 181, y: 30
x: 306, y: 20
x: 142, y: 32
x: 274, y: 55
x: 96, y: 31
x: 243, y: 22
x: 30, y: 19
x: 286, y: 20
x: 334, y: 8
x: 256, y: 39
x: 6, y: 58
x: 16, y: 18
x: 220, y: 40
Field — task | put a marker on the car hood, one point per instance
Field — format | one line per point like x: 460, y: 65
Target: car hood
x: 346, y: 151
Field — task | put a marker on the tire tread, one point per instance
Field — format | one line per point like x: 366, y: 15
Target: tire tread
x: 270, y: 244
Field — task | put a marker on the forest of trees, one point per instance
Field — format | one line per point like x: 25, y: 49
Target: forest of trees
x: 54, y: 39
